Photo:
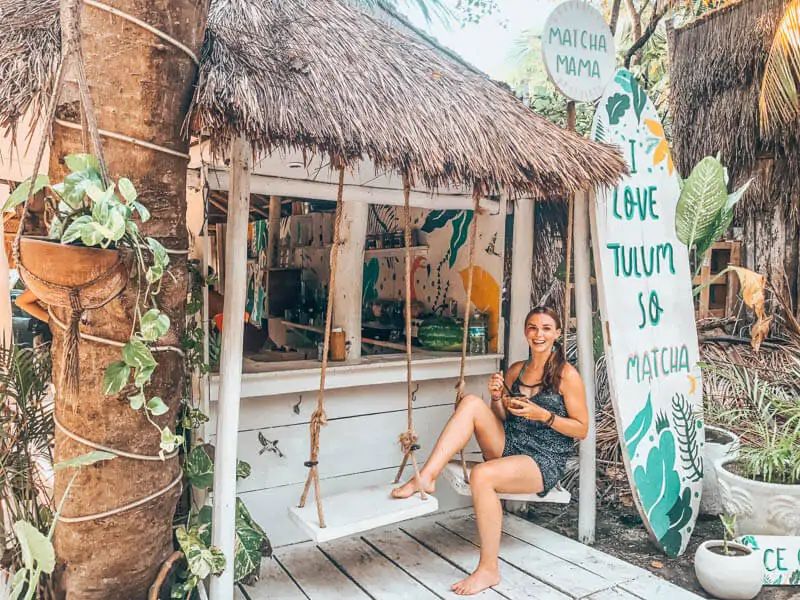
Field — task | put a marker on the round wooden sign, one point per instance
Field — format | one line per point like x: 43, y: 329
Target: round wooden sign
x: 578, y: 50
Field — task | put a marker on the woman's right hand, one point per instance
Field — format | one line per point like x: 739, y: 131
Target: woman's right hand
x: 496, y: 386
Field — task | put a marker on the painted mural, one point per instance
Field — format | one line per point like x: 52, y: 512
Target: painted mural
x: 646, y: 302
x: 441, y: 275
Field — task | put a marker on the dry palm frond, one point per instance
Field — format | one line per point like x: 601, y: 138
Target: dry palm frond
x: 322, y: 76
x: 779, y: 104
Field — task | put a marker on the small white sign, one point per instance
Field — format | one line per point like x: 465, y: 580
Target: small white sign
x: 578, y: 50
x: 781, y: 556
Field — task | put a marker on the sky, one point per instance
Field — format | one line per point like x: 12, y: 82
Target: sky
x: 487, y: 44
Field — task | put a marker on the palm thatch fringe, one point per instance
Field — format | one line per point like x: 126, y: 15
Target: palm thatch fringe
x: 322, y: 76
x: 717, y: 65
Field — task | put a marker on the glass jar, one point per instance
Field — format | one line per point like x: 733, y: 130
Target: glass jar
x: 476, y: 339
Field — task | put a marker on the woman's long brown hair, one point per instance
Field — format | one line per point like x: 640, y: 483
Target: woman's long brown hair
x: 551, y: 377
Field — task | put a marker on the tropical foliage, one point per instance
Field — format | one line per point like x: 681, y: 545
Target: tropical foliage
x: 780, y: 90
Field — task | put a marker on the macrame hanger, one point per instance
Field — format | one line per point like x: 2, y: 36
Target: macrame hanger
x: 473, y: 234
x: 408, y: 439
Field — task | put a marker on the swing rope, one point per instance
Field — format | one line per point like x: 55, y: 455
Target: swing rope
x: 567, y: 290
x: 319, y: 418
x: 473, y: 235
x: 408, y: 439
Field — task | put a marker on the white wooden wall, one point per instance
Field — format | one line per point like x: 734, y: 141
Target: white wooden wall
x: 358, y: 447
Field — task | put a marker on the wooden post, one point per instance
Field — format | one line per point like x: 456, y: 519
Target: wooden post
x: 350, y: 267
x: 6, y: 329
x: 521, y: 278
x: 230, y: 380
x: 571, y: 116
x: 273, y: 238
x: 587, y: 506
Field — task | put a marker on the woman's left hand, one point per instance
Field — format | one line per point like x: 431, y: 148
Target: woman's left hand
x: 528, y: 410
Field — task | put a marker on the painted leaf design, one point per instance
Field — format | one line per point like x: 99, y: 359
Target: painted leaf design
x: 658, y: 484
x: 686, y: 432
x: 639, y: 98
x: 679, y: 515
x: 460, y: 233
x: 616, y: 107
x: 370, y: 279
x: 437, y: 219
x: 600, y: 129
x: 624, y: 78
x: 794, y: 578
x: 702, y: 197
x: 638, y: 429
x: 656, y: 128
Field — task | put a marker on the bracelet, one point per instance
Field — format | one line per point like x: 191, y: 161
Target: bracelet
x: 500, y: 399
x: 552, y: 418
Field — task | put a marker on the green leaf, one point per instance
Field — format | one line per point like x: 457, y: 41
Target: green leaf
x: 154, y: 274
x: 616, y: 107
x: 250, y: 545
x: 437, y: 219
x: 137, y: 355
x: 202, y: 559
x: 82, y: 162
x: 460, y: 233
x: 144, y: 214
x: 160, y: 256
x: 639, y: 427
x: 243, y: 469
x: 639, y: 99
x: 157, y: 406
x: 84, y: 460
x: 199, y: 469
x: 36, y: 549
x: 115, y: 378
x: 99, y: 195
x: 142, y: 376
x: 20, y: 193
x: 154, y: 324
x: 658, y: 484
x: 18, y: 583
x: 76, y: 186
x: 169, y: 440
x: 136, y: 401
x: 76, y: 229
x: 127, y: 190
x: 703, y: 196
x: 686, y: 432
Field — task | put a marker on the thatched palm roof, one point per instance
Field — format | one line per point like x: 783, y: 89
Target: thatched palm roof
x: 717, y: 64
x: 323, y: 76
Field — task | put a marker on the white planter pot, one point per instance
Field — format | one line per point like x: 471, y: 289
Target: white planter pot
x: 719, y: 444
x: 760, y: 508
x: 729, y: 577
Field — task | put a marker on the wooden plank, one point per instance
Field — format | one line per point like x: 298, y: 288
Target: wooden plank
x: 569, y: 578
x: 514, y: 583
x: 431, y: 570
x: 274, y: 583
x: 379, y: 577
x: 650, y: 587
x: 276, y: 454
x: 359, y: 510
x: 315, y: 574
x: 268, y: 507
x: 614, y: 593
x: 599, y: 563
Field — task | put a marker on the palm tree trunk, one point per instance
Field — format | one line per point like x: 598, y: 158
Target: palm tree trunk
x: 142, y: 87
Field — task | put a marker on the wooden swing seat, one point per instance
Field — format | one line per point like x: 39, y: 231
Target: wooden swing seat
x: 455, y: 477
x: 356, y: 511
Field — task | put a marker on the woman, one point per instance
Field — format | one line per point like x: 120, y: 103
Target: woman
x: 525, y: 440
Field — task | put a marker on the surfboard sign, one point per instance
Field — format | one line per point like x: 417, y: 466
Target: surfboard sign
x: 645, y: 290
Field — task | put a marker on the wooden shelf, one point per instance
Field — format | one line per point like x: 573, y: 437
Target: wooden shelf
x: 385, y: 252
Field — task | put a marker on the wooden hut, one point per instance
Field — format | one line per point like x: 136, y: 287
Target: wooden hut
x: 319, y: 83
x: 717, y: 66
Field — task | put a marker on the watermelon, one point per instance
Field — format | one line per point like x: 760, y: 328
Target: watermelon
x: 440, y: 334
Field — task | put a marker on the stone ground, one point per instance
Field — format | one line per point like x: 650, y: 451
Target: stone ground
x: 620, y: 532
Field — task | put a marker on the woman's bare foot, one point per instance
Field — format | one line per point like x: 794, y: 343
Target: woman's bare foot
x: 410, y: 487
x: 480, y: 580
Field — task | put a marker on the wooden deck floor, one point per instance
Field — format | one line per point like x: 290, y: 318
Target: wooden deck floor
x: 422, y: 558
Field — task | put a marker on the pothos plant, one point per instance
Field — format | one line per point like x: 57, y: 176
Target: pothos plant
x: 94, y: 214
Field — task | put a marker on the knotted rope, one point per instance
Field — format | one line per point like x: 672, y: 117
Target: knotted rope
x: 319, y: 418
x: 408, y: 439
x: 473, y: 236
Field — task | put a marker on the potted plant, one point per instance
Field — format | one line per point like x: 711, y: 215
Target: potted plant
x: 86, y: 261
x: 720, y: 443
x: 728, y: 570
